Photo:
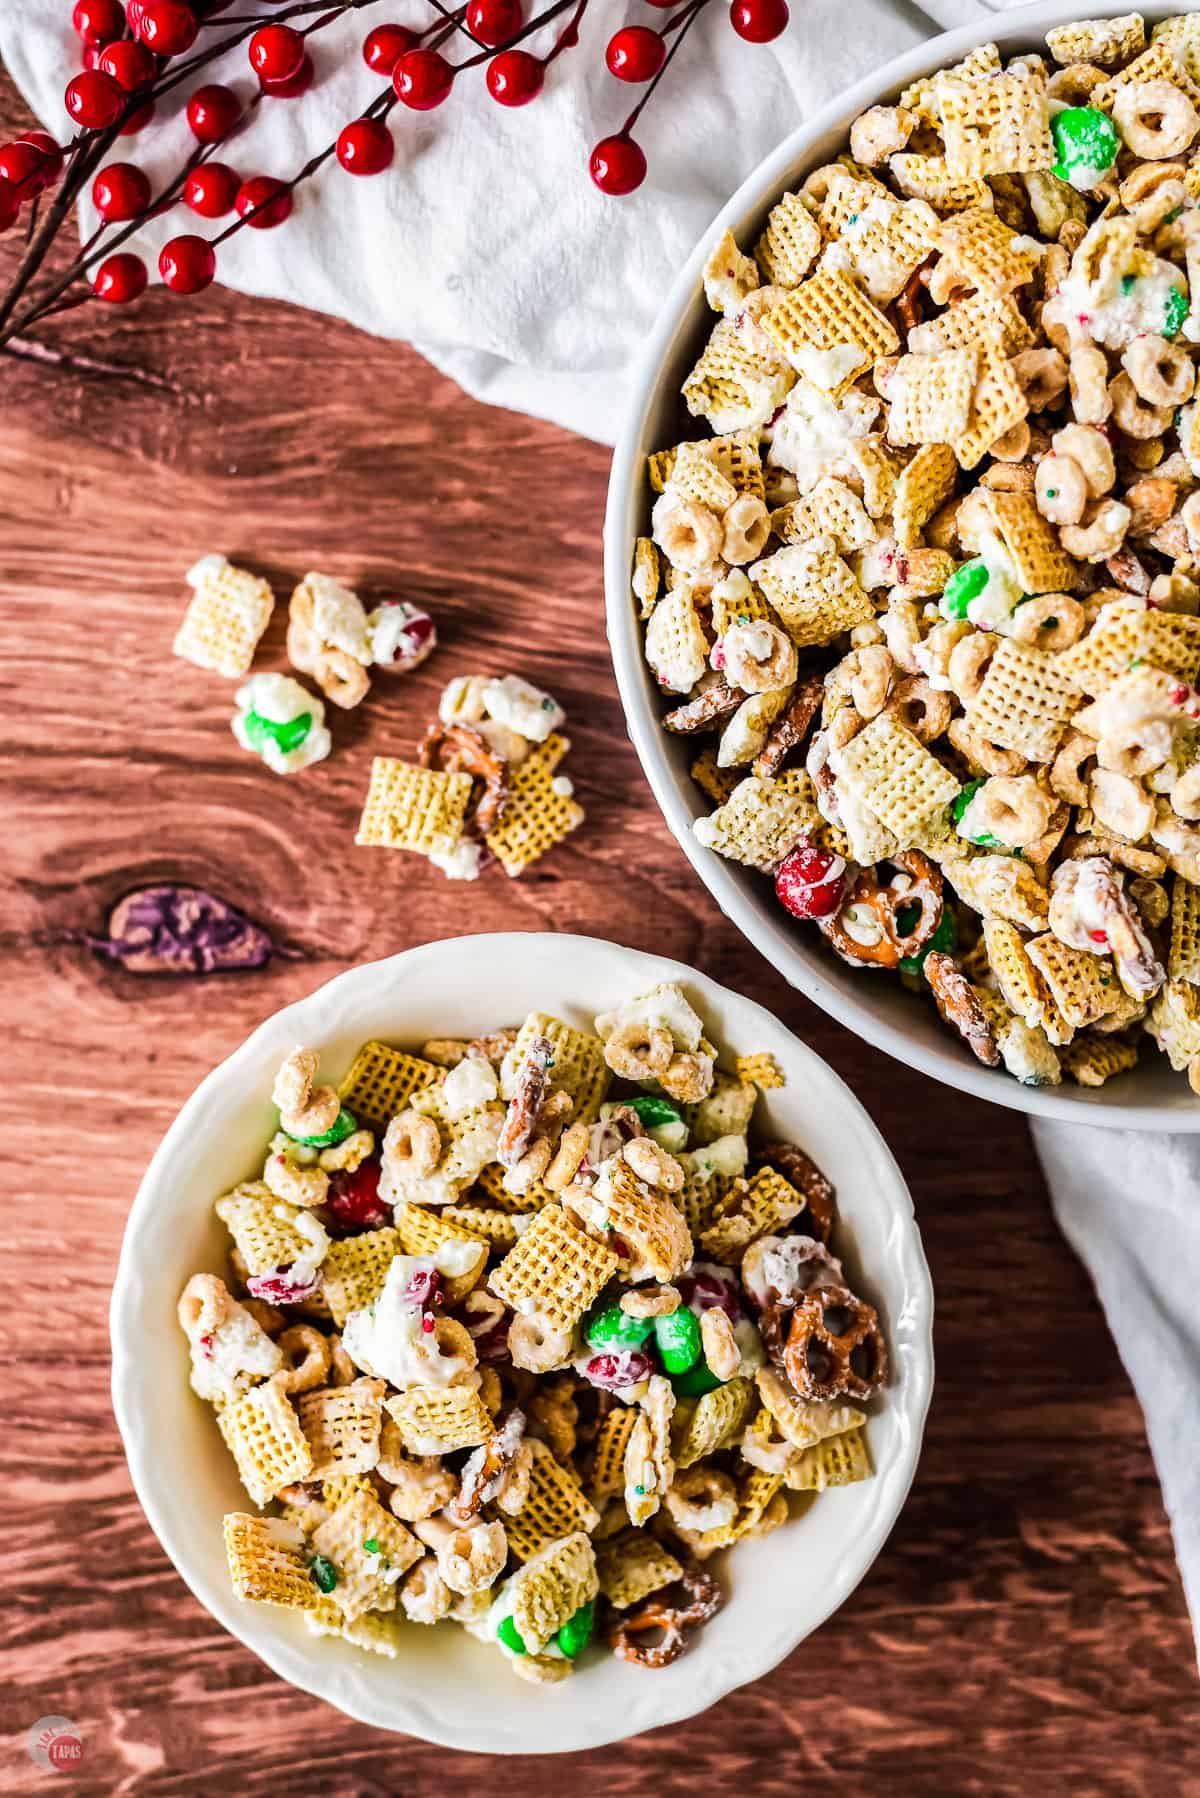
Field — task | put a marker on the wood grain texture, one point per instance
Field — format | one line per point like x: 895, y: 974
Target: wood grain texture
x: 1023, y: 1631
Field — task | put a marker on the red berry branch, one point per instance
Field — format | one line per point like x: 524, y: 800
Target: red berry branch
x: 135, y: 54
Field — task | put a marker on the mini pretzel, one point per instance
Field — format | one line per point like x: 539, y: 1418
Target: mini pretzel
x: 799, y: 1168
x: 487, y: 1468
x: 956, y: 1001
x: 457, y: 749
x: 672, y: 1625
x: 835, y: 1346
x: 525, y: 1106
x: 791, y: 728
x: 812, y: 1269
x: 885, y: 902
x: 715, y: 702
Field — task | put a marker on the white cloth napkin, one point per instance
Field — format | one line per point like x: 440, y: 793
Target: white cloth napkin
x: 487, y: 247
x: 486, y: 244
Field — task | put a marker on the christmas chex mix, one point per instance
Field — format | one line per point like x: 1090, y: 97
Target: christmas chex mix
x: 471, y: 1362
x: 964, y: 607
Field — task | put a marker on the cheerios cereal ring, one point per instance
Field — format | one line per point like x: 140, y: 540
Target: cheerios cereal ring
x: 1137, y: 417
x: 537, y: 1345
x: 306, y: 1358
x: 1156, y: 118
x: 701, y: 1498
x: 689, y: 536
x: 637, y: 1051
x: 1161, y: 372
x: 1012, y: 808
x: 413, y: 1144
x: 968, y: 664
x: 1052, y: 621
x: 758, y: 657
x: 920, y: 707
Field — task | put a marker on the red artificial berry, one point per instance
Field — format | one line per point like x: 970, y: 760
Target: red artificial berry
x: 422, y: 79
x: 168, y: 27
x: 494, y: 21
x: 133, y: 12
x: 23, y: 165
x: 91, y: 56
x: 758, y: 21
x: 120, y: 191
x: 212, y: 189
x: 187, y: 264
x: 130, y: 64
x: 120, y: 279
x: 810, y: 881
x: 99, y: 21
x: 138, y: 119
x: 514, y: 78
x: 295, y: 85
x: 354, y: 1203
x: 94, y: 100
x: 52, y: 159
x: 276, y: 52
x: 635, y: 53
x: 383, y: 47
x: 618, y: 165
x: 212, y: 112
x: 10, y: 205
x: 264, y: 202
x: 365, y: 147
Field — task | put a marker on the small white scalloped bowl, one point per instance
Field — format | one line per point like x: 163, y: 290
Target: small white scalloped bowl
x: 445, y: 1686
x: 876, y: 1008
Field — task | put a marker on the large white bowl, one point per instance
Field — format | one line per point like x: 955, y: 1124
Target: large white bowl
x: 445, y: 1686
x: 874, y: 1006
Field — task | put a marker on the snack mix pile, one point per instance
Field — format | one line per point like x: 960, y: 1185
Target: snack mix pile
x: 934, y: 582
x: 510, y: 1344
x: 485, y: 788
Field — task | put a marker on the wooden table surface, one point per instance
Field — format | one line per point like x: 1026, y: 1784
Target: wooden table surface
x: 1023, y: 1630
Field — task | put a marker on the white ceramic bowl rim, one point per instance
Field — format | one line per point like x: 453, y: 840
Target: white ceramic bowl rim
x: 350, y: 1678
x: 1164, y: 1101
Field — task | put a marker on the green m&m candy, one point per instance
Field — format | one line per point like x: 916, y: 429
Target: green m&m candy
x: 286, y: 736
x: 678, y: 1339
x: 696, y: 1381
x: 1086, y: 143
x: 964, y: 585
x: 343, y: 1125
x: 1175, y: 310
x: 576, y: 1632
x: 508, y: 1633
x: 661, y: 1120
x: 324, y: 1573
x: 614, y: 1329
x: 958, y: 811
